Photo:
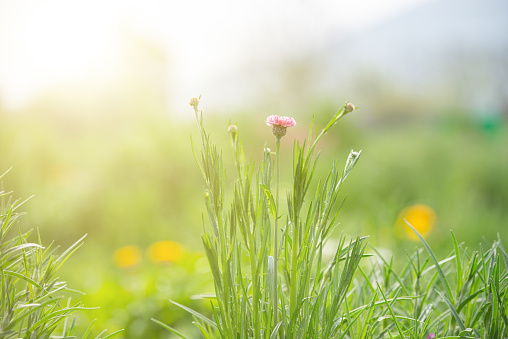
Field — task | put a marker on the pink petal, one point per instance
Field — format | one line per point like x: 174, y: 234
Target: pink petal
x: 283, y: 121
x: 287, y: 121
x: 272, y: 120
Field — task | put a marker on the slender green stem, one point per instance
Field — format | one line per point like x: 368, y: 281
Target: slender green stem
x: 294, y: 267
x: 275, y: 250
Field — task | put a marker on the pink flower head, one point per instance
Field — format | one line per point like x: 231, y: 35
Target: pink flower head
x: 431, y: 336
x: 280, y: 125
x: 281, y: 121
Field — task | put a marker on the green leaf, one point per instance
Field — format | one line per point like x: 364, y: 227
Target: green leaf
x: 391, y: 312
x: 436, y: 262
x: 196, y: 314
x: 27, y: 279
x: 275, y: 331
x: 459, y: 266
x: 453, y: 310
x: 113, y: 334
x: 60, y: 313
x: 169, y: 328
x: 68, y: 252
x: 271, y: 201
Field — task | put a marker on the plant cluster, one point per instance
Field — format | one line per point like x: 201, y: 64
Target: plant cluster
x: 34, y: 303
x: 464, y: 295
x: 283, y: 286
x: 269, y: 285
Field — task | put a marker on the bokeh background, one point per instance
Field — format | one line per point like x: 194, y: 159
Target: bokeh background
x: 95, y: 123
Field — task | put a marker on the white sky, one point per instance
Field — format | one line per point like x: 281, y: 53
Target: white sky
x: 51, y: 43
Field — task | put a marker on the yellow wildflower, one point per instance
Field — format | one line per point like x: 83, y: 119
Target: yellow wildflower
x: 127, y: 256
x: 165, y: 251
x: 421, y: 217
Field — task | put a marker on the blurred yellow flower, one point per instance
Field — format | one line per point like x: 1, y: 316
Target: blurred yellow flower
x: 127, y: 256
x: 165, y: 251
x: 420, y: 216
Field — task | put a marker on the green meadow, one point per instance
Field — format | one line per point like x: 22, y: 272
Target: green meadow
x: 131, y: 184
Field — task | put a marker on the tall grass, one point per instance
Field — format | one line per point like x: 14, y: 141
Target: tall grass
x: 464, y: 295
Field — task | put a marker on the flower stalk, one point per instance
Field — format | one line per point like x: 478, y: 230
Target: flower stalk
x: 279, y: 130
x: 275, y: 231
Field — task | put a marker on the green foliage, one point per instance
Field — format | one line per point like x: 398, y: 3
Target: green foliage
x: 33, y: 301
x: 262, y: 290
x: 464, y: 295
x: 130, y: 296
x: 306, y: 294
x: 122, y: 179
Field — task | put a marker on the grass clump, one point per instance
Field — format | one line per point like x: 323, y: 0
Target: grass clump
x: 34, y: 303
x: 464, y: 295
x: 271, y: 277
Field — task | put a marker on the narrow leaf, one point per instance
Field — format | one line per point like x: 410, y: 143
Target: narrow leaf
x: 436, y: 262
x: 271, y: 201
x: 169, y: 328
x: 196, y: 314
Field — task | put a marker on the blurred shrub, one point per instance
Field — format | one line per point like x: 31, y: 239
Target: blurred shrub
x: 135, y: 284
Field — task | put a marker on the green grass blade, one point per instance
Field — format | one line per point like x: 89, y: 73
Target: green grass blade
x: 391, y: 312
x: 169, y: 328
x: 58, y: 314
x: 271, y: 201
x: 113, y: 334
x: 453, y: 311
x: 457, y: 259
x: 27, y: 279
x: 88, y: 330
x: 196, y: 314
x: 436, y: 262
x: 275, y: 331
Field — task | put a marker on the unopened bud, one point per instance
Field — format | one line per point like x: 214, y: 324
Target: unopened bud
x: 353, y: 156
x: 194, y: 102
x: 350, y: 107
x: 233, y: 129
x: 351, y: 162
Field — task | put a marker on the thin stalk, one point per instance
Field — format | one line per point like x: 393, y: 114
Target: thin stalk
x: 275, y: 250
x: 294, y: 268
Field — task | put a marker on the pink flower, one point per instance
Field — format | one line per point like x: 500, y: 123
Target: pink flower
x: 280, y: 125
x: 281, y: 121
x: 431, y: 336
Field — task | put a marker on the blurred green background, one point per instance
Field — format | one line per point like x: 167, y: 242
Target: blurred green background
x: 105, y: 148
x: 134, y: 182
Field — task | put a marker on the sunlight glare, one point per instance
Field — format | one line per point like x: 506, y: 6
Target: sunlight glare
x: 53, y: 44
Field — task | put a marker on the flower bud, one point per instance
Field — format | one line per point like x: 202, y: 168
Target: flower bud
x: 194, y: 102
x: 233, y: 129
x: 350, y: 107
